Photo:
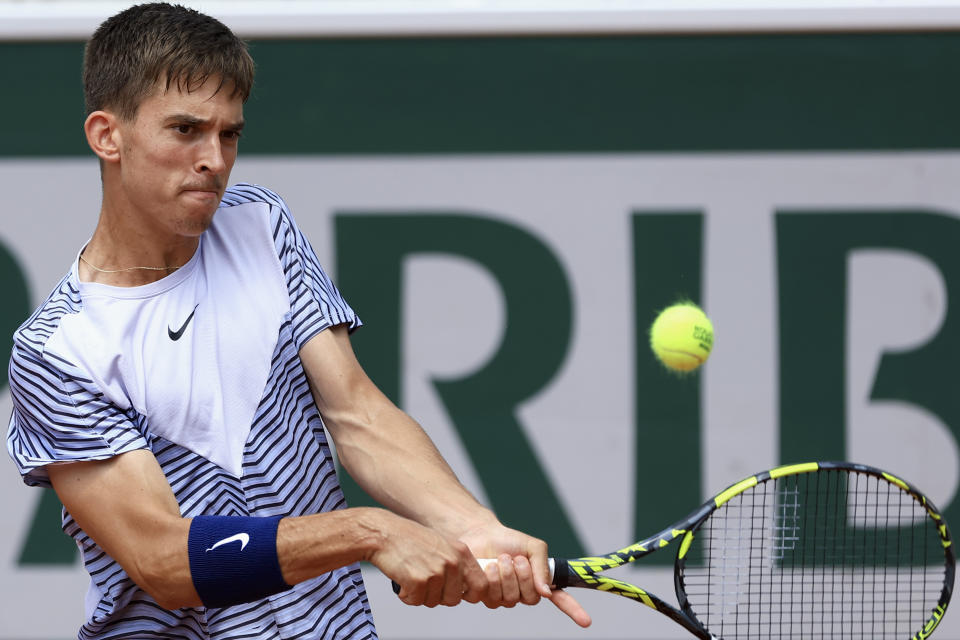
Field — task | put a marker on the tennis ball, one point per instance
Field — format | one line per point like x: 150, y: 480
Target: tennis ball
x: 682, y: 336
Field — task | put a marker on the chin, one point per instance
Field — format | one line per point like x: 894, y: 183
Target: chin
x: 195, y: 225
x: 204, y: 224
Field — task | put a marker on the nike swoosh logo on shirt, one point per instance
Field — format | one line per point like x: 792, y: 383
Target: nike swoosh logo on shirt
x: 175, y: 335
x: 242, y: 538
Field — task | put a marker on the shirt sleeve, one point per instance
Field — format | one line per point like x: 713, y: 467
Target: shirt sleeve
x: 59, y: 416
x: 315, y: 302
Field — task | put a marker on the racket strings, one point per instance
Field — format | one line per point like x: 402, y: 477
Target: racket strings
x: 820, y: 555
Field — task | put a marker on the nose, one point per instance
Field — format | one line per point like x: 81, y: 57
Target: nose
x: 211, y: 158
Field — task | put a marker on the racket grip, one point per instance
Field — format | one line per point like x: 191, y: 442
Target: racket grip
x: 483, y: 562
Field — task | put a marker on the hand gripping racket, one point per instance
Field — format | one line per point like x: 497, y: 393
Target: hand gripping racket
x: 816, y: 550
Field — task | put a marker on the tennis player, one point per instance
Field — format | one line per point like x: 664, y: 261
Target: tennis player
x: 176, y: 387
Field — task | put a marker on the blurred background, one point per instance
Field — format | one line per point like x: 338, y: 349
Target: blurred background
x: 508, y: 192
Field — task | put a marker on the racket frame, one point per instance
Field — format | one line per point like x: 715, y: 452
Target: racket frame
x: 584, y: 572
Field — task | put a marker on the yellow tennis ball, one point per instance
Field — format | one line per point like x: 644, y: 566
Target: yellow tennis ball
x: 682, y: 336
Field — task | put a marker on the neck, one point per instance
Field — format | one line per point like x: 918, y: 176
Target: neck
x: 122, y: 256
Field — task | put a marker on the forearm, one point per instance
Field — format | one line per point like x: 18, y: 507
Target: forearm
x: 308, y: 546
x: 393, y: 459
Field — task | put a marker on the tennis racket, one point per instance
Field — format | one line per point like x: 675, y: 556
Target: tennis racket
x: 815, y: 550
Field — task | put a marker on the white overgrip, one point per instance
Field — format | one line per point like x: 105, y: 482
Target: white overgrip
x: 483, y: 562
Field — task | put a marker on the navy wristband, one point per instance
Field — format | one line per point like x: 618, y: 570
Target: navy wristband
x: 233, y: 559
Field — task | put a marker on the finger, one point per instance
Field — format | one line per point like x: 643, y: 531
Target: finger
x: 434, y: 591
x: 510, y: 588
x: 542, y: 576
x: 528, y: 588
x: 412, y: 596
x: 453, y: 586
x: 568, y: 604
x: 475, y: 582
x: 494, y: 588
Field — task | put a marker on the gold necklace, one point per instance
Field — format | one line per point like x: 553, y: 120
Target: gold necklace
x: 96, y: 268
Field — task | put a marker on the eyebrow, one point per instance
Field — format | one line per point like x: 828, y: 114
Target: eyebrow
x: 186, y: 118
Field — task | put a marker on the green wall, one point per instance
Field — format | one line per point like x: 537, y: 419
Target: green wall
x: 549, y: 94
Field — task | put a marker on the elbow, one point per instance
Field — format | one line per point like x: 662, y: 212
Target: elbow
x: 167, y: 601
x: 170, y: 598
x: 167, y: 581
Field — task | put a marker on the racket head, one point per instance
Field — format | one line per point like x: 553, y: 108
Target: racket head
x: 816, y: 550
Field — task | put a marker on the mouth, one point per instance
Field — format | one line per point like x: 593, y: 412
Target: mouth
x: 203, y: 192
x: 214, y: 186
x: 206, y: 200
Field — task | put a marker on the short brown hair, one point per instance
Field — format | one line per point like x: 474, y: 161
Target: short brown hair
x: 137, y: 48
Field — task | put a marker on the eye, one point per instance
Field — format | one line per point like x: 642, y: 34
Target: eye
x: 231, y: 135
x: 185, y: 129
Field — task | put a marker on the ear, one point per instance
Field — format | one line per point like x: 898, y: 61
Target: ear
x: 103, y: 135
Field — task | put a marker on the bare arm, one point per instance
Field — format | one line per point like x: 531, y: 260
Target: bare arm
x: 394, y: 460
x: 383, y: 448
x: 126, y: 505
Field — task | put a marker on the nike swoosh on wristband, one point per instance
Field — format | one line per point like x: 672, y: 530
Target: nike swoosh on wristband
x: 175, y: 335
x: 242, y: 538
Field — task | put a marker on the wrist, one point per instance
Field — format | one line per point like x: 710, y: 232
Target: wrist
x: 314, y: 544
x: 373, y: 529
x: 463, y: 524
x: 233, y: 559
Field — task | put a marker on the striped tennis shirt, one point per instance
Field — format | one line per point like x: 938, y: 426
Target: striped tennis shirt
x: 201, y: 368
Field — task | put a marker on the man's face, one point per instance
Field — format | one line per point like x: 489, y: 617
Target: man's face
x: 176, y: 156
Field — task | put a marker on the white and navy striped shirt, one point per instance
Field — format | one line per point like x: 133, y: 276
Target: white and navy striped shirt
x: 202, y: 368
